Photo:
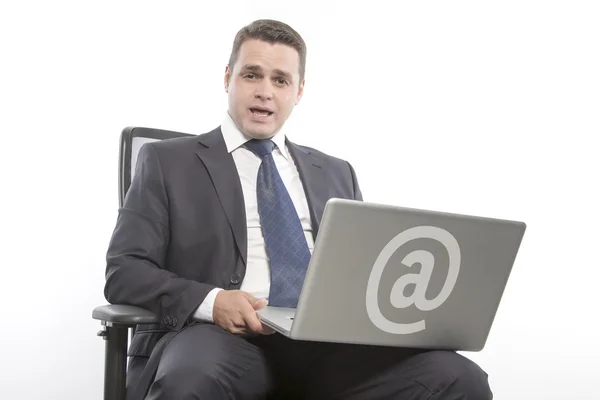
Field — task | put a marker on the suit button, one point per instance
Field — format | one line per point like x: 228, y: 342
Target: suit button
x: 174, y: 321
x: 235, y: 279
x: 166, y: 321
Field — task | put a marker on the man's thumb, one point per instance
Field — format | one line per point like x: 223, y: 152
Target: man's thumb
x: 257, y: 304
x: 260, y: 303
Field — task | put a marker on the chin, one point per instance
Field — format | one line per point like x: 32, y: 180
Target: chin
x: 265, y: 133
x: 262, y: 135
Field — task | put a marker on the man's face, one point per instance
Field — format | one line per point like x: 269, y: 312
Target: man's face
x: 263, y: 87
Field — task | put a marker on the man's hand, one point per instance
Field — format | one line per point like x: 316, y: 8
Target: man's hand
x: 235, y: 311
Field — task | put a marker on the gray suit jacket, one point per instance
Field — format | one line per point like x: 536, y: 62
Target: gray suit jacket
x: 182, y: 229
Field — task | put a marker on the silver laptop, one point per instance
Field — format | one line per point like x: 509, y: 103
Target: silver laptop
x: 393, y: 276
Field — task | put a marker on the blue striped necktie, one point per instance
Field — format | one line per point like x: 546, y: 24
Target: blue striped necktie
x: 286, y: 244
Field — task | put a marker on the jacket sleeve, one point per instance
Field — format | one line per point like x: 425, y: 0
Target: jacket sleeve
x: 357, y: 192
x: 136, y: 270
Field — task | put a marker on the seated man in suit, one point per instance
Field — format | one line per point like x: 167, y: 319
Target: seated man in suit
x: 212, y: 228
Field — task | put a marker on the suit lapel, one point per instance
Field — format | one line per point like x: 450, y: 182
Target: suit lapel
x: 225, y: 178
x: 314, y: 179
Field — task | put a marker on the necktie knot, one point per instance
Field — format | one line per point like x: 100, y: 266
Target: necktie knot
x: 260, y: 147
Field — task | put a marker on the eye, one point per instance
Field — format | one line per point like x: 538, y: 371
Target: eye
x: 281, y: 81
x: 250, y: 76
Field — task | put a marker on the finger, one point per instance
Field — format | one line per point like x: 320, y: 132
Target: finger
x: 257, y: 304
x: 238, y: 326
x: 266, y: 330
x: 252, y: 321
x: 260, y: 304
x: 239, y: 331
x: 250, y: 297
x: 254, y: 324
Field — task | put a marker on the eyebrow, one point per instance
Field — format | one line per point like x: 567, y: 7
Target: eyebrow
x: 258, y: 68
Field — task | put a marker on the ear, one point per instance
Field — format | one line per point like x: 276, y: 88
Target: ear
x: 300, y: 92
x: 227, y: 78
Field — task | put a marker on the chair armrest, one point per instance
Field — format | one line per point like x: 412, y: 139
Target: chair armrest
x: 124, y: 315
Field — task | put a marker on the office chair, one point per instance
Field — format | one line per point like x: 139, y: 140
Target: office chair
x: 118, y: 319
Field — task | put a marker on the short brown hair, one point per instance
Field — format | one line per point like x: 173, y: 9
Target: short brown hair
x: 270, y: 31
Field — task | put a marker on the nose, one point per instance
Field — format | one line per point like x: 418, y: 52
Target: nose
x: 264, y: 90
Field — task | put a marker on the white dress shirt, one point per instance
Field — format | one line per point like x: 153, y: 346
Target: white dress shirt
x: 257, y: 278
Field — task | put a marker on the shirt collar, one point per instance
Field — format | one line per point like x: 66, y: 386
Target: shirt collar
x: 234, y: 138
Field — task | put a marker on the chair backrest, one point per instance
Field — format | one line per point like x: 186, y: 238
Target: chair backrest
x: 132, y: 139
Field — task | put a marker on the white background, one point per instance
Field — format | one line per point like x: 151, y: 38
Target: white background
x: 485, y: 108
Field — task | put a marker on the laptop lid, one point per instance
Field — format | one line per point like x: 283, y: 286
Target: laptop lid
x: 388, y: 275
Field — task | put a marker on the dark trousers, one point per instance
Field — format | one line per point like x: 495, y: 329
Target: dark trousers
x: 204, y: 361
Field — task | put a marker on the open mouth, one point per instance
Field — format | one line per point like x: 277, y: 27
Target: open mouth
x: 261, y: 112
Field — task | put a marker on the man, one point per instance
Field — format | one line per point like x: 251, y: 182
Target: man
x: 199, y: 242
